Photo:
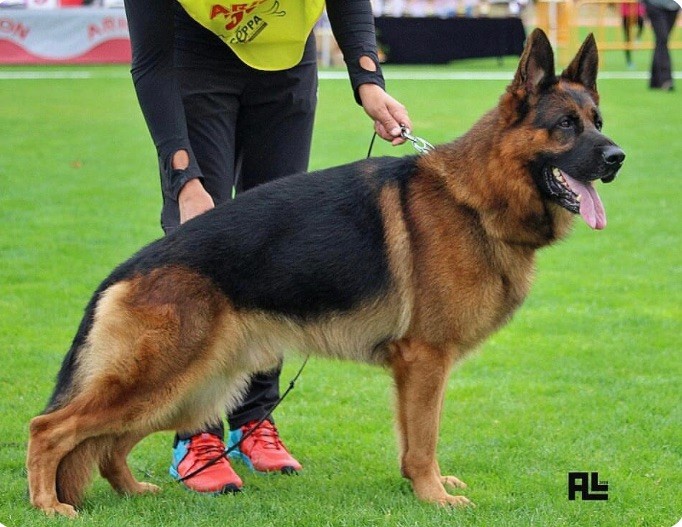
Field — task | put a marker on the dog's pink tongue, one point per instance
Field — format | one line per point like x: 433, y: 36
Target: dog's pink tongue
x: 591, y: 207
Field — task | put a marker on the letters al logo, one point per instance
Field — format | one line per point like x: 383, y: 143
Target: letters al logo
x: 587, y: 484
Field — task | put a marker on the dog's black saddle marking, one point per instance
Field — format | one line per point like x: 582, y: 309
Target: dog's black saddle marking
x: 302, y: 246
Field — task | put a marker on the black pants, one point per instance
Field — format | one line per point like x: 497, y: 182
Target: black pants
x: 246, y: 127
x: 662, y: 22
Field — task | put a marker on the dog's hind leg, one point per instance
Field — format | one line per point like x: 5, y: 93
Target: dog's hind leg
x: 420, y: 372
x: 53, y: 438
x: 148, y: 364
x: 66, y: 445
x: 114, y: 467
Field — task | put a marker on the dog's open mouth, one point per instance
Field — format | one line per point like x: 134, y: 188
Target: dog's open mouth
x: 576, y: 196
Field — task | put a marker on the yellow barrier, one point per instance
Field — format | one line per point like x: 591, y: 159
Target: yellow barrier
x: 567, y: 22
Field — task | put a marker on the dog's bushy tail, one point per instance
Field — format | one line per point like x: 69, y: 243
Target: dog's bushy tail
x: 77, y: 468
x: 64, y: 389
x: 64, y: 386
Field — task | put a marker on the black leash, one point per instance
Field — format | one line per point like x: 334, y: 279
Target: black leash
x: 371, y: 145
x: 226, y: 452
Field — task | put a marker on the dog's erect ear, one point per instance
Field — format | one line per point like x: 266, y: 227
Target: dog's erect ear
x: 536, y: 67
x: 583, y: 67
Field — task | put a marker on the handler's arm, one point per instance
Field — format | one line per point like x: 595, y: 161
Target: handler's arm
x: 150, y: 23
x: 352, y: 22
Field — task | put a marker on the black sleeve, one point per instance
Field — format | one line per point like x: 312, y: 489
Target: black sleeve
x: 150, y: 24
x: 352, y: 23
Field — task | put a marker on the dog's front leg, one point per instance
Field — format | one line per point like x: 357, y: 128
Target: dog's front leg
x: 420, y: 372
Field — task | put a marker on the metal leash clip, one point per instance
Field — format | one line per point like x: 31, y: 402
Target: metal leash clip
x: 420, y: 145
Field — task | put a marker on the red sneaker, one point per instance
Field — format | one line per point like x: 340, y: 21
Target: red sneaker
x: 192, y: 454
x: 263, y: 450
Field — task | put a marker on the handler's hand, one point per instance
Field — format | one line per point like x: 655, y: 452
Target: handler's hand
x: 387, y: 113
x: 193, y: 200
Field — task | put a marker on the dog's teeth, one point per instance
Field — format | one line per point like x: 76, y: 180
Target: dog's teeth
x: 556, y: 172
x: 578, y: 198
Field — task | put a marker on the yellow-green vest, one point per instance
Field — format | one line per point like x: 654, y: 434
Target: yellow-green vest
x: 265, y: 34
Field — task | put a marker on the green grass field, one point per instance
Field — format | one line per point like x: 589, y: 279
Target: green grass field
x: 585, y: 378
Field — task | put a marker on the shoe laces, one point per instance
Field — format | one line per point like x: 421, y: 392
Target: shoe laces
x: 207, y: 447
x: 265, y: 436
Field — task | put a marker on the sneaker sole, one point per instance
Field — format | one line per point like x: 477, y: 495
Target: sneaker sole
x: 227, y: 489
x: 236, y: 454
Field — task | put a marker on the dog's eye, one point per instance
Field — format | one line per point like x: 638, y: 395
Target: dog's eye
x: 566, y: 122
x: 598, y: 124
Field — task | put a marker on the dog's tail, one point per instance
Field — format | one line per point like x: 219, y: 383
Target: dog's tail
x: 63, y: 390
x: 76, y: 469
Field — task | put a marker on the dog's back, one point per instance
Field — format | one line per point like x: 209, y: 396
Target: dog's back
x: 327, y: 261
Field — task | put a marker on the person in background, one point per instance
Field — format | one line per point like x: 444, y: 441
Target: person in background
x: 632, y: 14
x: 228, y: 92
x: 662, y: 14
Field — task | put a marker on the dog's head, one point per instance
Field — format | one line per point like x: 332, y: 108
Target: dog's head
x: 564, y: 114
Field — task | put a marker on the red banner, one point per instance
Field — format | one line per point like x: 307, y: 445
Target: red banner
x: 64, y: 36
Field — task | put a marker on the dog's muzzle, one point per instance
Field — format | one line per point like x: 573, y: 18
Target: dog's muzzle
x: 613, y: 158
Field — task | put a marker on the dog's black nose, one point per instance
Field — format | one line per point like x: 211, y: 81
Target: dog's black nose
x: 613, y: 155
x: 613, y: 160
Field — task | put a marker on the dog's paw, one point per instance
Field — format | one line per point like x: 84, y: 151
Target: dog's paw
x: 455, y: 501
x: 432, y: 490
x: 148, y: 488
x: 453, y: 482
x: 62, y: 509
x: 142, y: 488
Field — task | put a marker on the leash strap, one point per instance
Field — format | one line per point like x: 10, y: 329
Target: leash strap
x: 371, y: 145
x: 226, y: 452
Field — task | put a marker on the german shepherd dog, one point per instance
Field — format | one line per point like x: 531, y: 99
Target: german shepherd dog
x: 407, y: 263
